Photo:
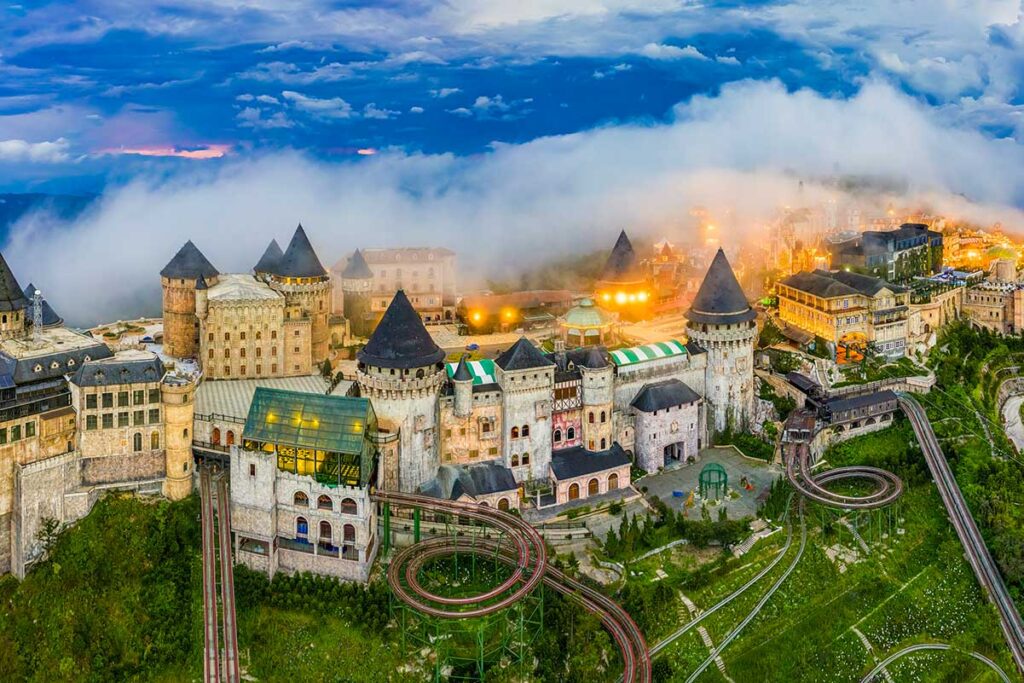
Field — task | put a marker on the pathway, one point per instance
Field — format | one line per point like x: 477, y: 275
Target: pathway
x: 1012, y: 421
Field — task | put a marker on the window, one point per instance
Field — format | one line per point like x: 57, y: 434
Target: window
x: 137, y: 442
x: 154, y: 415
x: 525, y: 430
x: 590, y: 417
x: 16, y: 433
x: 613, y: 481
x: 90, y: 401
x: 209, y: 337
x: 241, y: 335
x: 227, y: 336
x: 515, y: 460
x: 296, y: 333
x: 241, y: 370
x: 30, y: 429
x: 526, y: 459
x: 349, y: 533
x: 348, y: 507
x: 227, y: 369
x: 602, y: 417
x: 301, y: 528
x: 571, y: 433
x: 138, y: 396
x: 108, y: 399
x: 326, y: 534
x: 324, y: 503
x: 122, y: 419
x: 515, y: 432
x: 296, y: 349
x: 241, y: 352
x: 486, y: 426
x: 259, y: 352
x: 154, y: 440
x: 108, y: 420
x: 558, y: 436
x: 503, y: 504
x: 603, y: 444
x: 592, y: 487
x: 90, y: 424
x: 300, y: 499
x: 273, y: 334
x: 273, y: 350
x: 227, y: 353
x: 139, y: 418
x: 474, y: 453
x: 154, y: 395
x: 252, y: 470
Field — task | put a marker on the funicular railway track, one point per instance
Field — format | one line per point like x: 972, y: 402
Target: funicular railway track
x: 527, y: 555
x: 218, y: 596
x: 889, y: 487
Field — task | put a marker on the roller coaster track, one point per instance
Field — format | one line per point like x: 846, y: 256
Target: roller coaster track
x: 932, y: 646
x: 977, y: 553
x: 216, y: 534
x: 888, y: 487
x: 527, y: 555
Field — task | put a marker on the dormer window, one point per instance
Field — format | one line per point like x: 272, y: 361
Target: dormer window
x: 87, y: 358
x: 54, y: 365
x: 38, y: 368
x: 71, y: 362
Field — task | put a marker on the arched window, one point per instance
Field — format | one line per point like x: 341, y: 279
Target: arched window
x: 602, y: 417
x: 484, y: 504
x: 604, y: 444
x: 230, y: 438
x: 526, y: 430
x: 558, y: 436
x: 324, y: 503
x: 154, y: 440
x: 350, y: 533
x: 137, y: 441
x: 571, y: 433
x: 574, y: 491
x: 515, y: 432
x: 593, y: 487
x: 515, y: 460
x: 503, y: 504
x: 215, y: 437
x: 301, y: 499
x: 419, y: 373
x: 613, y: 481
x: 590, y: 417
x: 348, y: 507
x: 326, y: 533
x: 184, y: 433
x: 526, y: 458
x: 301, y: 527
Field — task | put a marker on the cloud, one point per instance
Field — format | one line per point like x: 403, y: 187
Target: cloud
x: 285, y: 72
x: 325, y: 108
x: 490, y: 104
x: 618, y: 68
x: 416, y: 110
x: 727, y: 59
x: 460, y: 111
x: 35, y: 152
x: 253, y: 117
x: 445, y: 92
x: 743, y: 150
x: 668, y: 52
x: 372, y: 111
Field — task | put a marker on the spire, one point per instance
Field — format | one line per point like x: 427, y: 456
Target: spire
x: 188, y: 264
x: 462, y: 373
x: 299, y: 259
x: 400, y: 340
x: 621, y: 263
x: 270, y: 259
x: 595, y: 360
x: 357, y: 268
x: 720, y: 299
x: 50, y: 317
x: 12, y: 298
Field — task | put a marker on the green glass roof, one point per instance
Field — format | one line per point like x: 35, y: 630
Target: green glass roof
x: 315, y: 421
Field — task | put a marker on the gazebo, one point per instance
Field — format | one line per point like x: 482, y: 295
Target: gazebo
x: 713, y: 478
x: 586, y: 325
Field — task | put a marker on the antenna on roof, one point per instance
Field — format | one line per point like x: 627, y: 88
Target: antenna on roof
x: 37, y: 315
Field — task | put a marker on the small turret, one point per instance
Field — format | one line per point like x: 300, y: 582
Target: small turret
x: 201, y: 297
x: 462, y: 380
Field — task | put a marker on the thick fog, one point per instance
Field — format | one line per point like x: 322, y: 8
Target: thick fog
x: 743, y: 149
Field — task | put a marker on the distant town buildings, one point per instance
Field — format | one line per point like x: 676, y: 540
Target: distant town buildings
x: 910, y: 250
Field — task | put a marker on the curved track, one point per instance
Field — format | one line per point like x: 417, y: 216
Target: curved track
x: 932, y: 646
x: 888, y: 487
x: 977, y: 553
x: 526, y: 553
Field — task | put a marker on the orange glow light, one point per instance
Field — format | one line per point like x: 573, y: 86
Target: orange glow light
x: 606, y: 296
x: 642, y: 296
x: 620, y: 298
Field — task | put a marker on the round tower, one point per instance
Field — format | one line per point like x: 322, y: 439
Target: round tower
x: 356, y: 283
x: 306, y: 287
x: 177, y: 395
x: 201, y: 298
x: 401, y: 370
x: 14, y: 305
x: 722, y: 323
x: 178, y: 281
x: 462, y: 381
x: 598, y: 394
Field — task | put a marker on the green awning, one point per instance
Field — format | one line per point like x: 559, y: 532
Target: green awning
x: 640, y: 354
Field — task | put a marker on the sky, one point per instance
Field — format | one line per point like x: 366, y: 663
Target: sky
x: 496, y: 128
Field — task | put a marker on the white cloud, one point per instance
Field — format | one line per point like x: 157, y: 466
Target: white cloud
x: 485, y: 103
x: 445, y: 92
x: 460, y: 111
x: 372, y: 111
x: 668, y: 52
x: 252, y: 117
x: 416, y: 110
x: 743, y: 149
x: 36, y: 152
x: 322, y: 108
x: 727, y: 59
x: 285, y: 72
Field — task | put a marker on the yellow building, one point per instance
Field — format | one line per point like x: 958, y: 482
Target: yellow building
x: 849, y: 310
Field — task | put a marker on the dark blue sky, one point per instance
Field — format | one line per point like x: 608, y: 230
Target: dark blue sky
x: 102, y: 90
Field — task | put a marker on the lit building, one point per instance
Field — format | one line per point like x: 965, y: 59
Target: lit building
x: 623, y: 287
x: 587, y: 325
x: 995, y: 306
x: 484, y: 313
x: 908, y: 251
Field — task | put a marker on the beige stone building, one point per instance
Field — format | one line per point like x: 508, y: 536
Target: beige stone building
x: 426, y: 274
x: 932, y: 313
x: 996, y: 306
x: 178, y: 281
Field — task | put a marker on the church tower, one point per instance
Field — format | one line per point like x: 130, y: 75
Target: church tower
x: 14, y: 305
x: 723, y: 324
x: 401, y: 370
x: 178, y: 281
x: 356, y: 281
x: 306, y: 287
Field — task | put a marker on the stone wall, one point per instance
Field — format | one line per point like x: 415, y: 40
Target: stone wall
x: 126, y: 467
x: 238, y: 333
x: 527, y: 398
x: 679, y: 425
x: 461, y: 437
x: 179, y: 317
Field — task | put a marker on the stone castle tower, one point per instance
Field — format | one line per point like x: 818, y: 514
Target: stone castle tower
x: 598, y: 395
x: 14, y: 305
x: 401, y: 370
x: 527, y: 378
x: 356, y: 281
x: 179, y: 409
x: 306, y: 286
x: 178, y: 281
x: 723, y: 324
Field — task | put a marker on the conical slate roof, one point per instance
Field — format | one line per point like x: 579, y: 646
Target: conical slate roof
x: 12, y: 298
x: 595, y: 359
x: 621, y: 263
x: 299, y: 259
x: 522, y: 356
x: 201, y: 284
x: 400, y: 340
x: 462, y: 373
x: 720, y: 300
x: 357, y: 268
x: 270, y: 259
x: 188, y: 264
x: 50, y: 317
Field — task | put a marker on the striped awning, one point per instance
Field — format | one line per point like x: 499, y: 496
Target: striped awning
x: 640, y: 354
x: 482, y: 370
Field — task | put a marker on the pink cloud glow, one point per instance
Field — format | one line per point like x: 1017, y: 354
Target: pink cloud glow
x: 205, y: 152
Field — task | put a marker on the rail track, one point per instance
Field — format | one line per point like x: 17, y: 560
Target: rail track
x: 888, y: 487
x: 219, y: 617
